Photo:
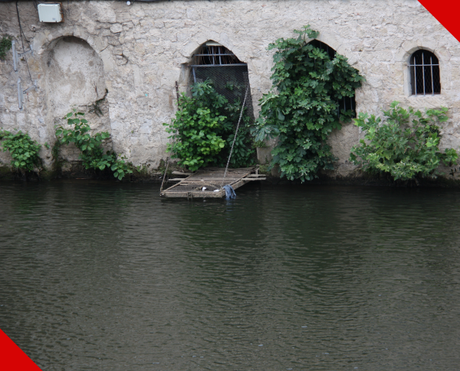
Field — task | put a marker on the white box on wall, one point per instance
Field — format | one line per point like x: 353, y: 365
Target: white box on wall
x: 50, y: 13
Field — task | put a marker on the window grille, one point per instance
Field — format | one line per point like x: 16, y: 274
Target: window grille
x: 214, y: 54
x: 346, y: 104
x: 424, y: 73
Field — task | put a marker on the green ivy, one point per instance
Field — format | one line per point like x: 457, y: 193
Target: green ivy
x: 92, y: 154
x: 204, y: 127
x: 404, y: 145
x: 23, y: 150
x: 302, y: 108
x: 5, y: 45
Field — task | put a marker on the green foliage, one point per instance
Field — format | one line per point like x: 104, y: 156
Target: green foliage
x: 120, y: 167
x: 204, y: 127
x: 92, y: 154
x: 5, y: 45
x: 404, y: 145
x: 302, y: 108
x: 23, y: 150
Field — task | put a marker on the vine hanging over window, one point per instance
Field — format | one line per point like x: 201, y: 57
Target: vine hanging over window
x: 302, y: 108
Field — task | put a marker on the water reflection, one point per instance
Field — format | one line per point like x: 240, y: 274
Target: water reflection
x: 111, y: 277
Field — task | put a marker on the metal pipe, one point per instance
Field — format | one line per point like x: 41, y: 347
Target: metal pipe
x: 164, y: 175
x: 15, y: 56
x: 194, y: 76
x: 19, y: 94
x: 177, y: 92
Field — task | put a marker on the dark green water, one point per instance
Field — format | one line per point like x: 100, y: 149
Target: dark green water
x: 105, y: 276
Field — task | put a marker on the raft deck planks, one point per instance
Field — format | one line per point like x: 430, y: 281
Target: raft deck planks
x: 211, y: 178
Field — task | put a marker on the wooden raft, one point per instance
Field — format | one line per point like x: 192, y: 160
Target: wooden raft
x: 206, y: 183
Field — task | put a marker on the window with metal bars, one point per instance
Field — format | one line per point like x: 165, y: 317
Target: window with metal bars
x: 214, y: 54
x: 424, y: 73
x: 346, y: 103
x: 228, y: 74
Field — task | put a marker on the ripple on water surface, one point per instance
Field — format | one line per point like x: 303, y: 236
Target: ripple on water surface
x: 109, y: 276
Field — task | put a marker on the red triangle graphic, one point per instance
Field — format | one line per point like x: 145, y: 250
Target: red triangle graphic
x: 446, y: 12
x: 12, y: 358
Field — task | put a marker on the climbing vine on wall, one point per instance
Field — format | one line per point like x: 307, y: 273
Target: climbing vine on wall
x: 23, y: 150
x: 92, y: 152
x: 302, y: 108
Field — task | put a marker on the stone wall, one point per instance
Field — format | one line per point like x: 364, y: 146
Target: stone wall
x: 137, y: 52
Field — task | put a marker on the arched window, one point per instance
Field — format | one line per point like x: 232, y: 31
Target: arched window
x: 424, y: 73
x: 346, y: 103
x: 214, y: 62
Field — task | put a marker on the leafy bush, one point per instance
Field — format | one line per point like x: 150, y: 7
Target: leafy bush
x: 204, y: 127
x: 302, y: 108
x: 92, y: 154
x: 23, y: 150
x: 404, y: 145
x: 5, y: 45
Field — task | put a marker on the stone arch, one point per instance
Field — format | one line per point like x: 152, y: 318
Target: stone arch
x: 331, y: 41
x: 74, y: 75
x: 405, y: 53
x: 239, y: 49
x: 74, y: 78
x: 191, y: 48
x: 44, y: 44
x: 229, y: 75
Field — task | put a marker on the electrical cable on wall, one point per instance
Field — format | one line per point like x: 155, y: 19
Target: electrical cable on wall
x: 22, y: 36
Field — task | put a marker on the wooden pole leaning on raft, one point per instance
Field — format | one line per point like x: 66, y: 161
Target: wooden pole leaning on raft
x: 234, y: 138
x: 164, y: 175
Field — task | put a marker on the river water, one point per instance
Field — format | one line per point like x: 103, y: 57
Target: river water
x: 109, y: 276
